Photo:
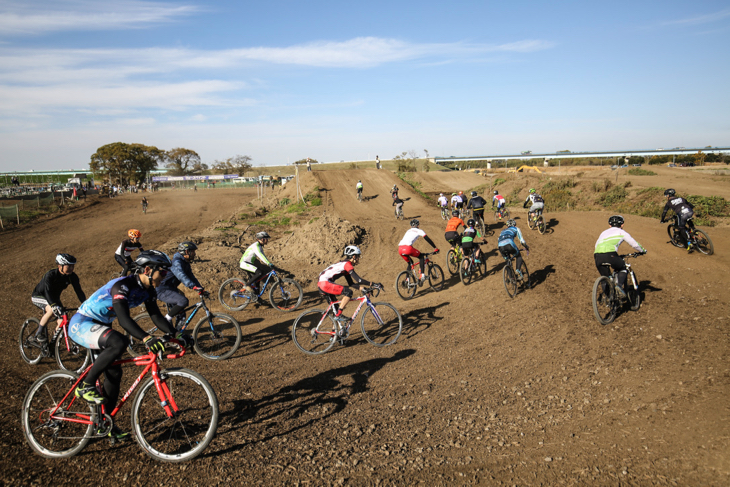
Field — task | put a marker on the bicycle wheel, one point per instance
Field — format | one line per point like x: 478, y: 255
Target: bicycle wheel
x: 525, y: 280
x: 674, y: 237
x: 530, y: 222
x: 452, y: 262
x: 510, y: 280
x: 308, y: 338
x: 604, y: 300
x: 381, y: 324
x: 406, y: 285
x: 286, y: 295
x: 540, y: 224
x: 400, y: 215
x: 466, y: 270
x: 193, y: 424
x: 505, y: 214
x: 30, y: 350
x: 137, y: 347
x: 232, y: 296
x: 217, y: 337
x: 73, y: 358
x: 55, y: 438
x: 444, y: 215
x: 703, y: 242
x: 435, y: 277
x: 634, y: 294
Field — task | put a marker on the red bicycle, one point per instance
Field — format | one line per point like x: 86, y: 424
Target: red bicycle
x: 174, y: 414
x: 408, y: 282
x: 69, y: 355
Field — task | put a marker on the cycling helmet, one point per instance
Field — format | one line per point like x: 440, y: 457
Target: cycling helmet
x: 441, y: 194
x: 670, y: 192
x: 455, y: 213
x: 616, y: 221
x: 133, y: 233
x: 470, y: 222
x: 532, y: 190
x: 511, y: 223
x: 359, y: 180
x: 352, y: 250
x: 395, y: 187
x: 415, y: 222
x: 473, y: 193
x: 261, y: 235
x: 453, y: 194
x: 154, y: 259
x: 185, y: 246
x: 461, y: 192
x: 496, y: 192
x: 65, y: 259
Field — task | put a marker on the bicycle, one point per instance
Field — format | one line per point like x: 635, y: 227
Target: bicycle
x: 216, y: 336
x: 698, y: 238
x: 453, y: 259
x: 481, y: 226
x: 606, y: 300
x: 469, y: 267
x: 512, y: 282
x: 408, y: 282
x: 359, y: 196
x: 501, y: 214
x: 174, y: 414
x: 69, y: 355
x: 284, y: 294
x: 398, y: 212
x: 144, y: 208
x: 381, y: 324
x: 444, y: 213
x: 536, y: 220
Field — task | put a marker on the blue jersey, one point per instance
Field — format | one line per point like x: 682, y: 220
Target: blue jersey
x: 508, y: 235
x: 129, y: 289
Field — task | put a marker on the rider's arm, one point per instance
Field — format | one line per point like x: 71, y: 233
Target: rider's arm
x: 666, y: 209
x: 430, y: 242
x: 357, y: 279
x: 184, y: 273
x: 259, y: 252
x: 630, y: 240
x: 52, y: 298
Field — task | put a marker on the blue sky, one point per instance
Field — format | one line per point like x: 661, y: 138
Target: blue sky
x: 280, y: 81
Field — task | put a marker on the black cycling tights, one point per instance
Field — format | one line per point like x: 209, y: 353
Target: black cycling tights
x: 112, y: 347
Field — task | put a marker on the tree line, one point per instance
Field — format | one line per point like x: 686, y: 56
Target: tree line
x: 123, y: 163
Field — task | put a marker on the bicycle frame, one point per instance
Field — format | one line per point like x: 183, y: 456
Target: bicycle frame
x: 197, y: 306
x: 363, y: 300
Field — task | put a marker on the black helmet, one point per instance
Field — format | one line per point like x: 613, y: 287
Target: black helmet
x: 415, y: 222
x: 670, y: 192
x: 261, y: 235
x: 616, y: 221
x: 65, y: 259
x: 473, y: 193
x: 455, y: 213
x: 511, y: 223
x: 470, y: 222
x: 154, y: 259
x: 496, y: 192
x: 185, y: 246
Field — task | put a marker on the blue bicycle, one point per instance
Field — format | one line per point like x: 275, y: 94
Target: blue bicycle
x: 284, y: 294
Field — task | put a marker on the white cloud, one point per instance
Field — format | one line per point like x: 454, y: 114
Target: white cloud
x: 39, y: 17
x: 700, y: 19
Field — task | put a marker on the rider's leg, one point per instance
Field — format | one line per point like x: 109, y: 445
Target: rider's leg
x: 175, y: 300
x: 346, y: 294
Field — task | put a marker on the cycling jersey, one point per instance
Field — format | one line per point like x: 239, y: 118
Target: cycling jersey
x: 453, y: 224
x: 469, y: 235
x: 335, y: 271
x: 254, y: 253
x: 477, y: 203
x: 443, y: 202
x: 411, y: 236
x: 610, y: 240
x: 181, y: 272
x: 534, y: 198
x: 54, y: 283
x: 507, y: 237
x: 359, y: 187
x: 679, y: 206
x: 128, y: 290
x: 126, y: 247
x: 499, y: 199
x: 455, y: 200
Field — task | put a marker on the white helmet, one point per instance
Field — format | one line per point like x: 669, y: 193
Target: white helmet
x: 351, y: 250
x: 441, y: 194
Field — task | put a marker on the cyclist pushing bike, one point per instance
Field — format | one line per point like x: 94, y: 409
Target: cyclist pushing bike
x: 254, y: 261
x: 536, y: 202
x: 91, y: 328
x: 345, y: 268
x: 406, y: 250
x: 47, y: 294
x: 606, y: 251
x: 507, y: 247
x: 123, y: 255
x: 452, y: 229
x: 684, y: 211
x: 180, y: 272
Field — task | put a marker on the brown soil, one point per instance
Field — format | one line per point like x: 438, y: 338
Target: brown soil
x: 480, y: 388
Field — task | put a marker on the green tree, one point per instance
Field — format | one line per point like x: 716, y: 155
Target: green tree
x: 125, y: 163
x: 182, y: 161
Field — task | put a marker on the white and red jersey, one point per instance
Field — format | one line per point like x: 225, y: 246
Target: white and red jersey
x: 411, y: 236
x: 499, y: 199
x: 335, y: 271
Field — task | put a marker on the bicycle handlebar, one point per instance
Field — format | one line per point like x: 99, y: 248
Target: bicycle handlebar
x: 633, y: 254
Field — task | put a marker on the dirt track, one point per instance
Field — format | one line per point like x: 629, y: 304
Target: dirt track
x: 480, y: 388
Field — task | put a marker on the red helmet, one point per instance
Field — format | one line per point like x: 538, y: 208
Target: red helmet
x: 134, y: 233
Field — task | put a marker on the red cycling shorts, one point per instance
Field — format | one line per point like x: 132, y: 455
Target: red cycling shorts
x: 330, y: 287
x: 405, y: 250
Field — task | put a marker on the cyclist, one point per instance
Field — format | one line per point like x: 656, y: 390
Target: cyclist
x: 468, y: 243
x: 606, y: 251
x: 461, y: 200
x: 452, y: 226
x: 536, y: 202
x: 358, y: 186
x: 91, y: 328
x: 684, y: 211
x: 454, y: 200
x: 442, y: 201
x: 405, y: 246
x: 47, y: 294
x: 254, y: 261
x: 398, y: 203
x: 144, y: 204
x: 123, y: 255
x: 345, y: 268
x: 477, y: 203
x: 394, y: 192
x: 499, y: 199
x: 180, y: 272
x: 507, y: 245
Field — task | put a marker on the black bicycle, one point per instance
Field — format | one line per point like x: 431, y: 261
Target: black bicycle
x: 698, y: 238
x: 608, y: 301
x: 284, y: 294
x: 515, y: 282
